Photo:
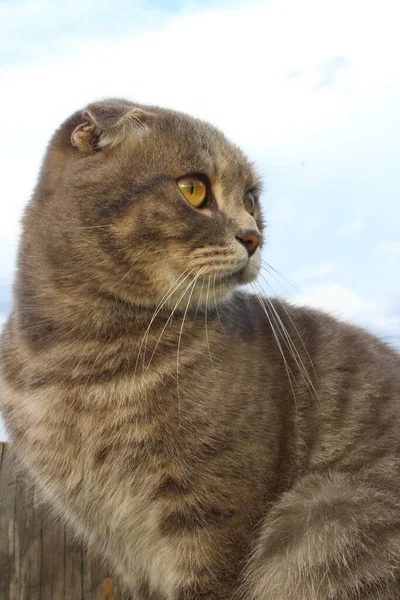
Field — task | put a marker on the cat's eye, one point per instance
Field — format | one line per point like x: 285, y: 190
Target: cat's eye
x: 249, y: 203
x: 194, y: 189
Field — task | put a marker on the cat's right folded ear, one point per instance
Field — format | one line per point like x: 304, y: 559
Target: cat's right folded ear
x: 106, y: 124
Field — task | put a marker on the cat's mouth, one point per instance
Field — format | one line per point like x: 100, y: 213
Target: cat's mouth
x: 249, y: 272
x: 246, y: 273
x: 226, y: 277
x: 238, y: 272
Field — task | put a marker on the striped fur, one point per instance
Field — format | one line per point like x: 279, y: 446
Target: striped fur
x: 209, y: 442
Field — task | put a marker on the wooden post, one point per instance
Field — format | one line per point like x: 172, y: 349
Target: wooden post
x: 39, y: 558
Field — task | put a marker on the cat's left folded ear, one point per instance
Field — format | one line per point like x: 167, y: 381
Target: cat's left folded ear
x: 106, y: 124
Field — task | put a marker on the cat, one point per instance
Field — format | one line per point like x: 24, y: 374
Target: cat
x: 208, y: 441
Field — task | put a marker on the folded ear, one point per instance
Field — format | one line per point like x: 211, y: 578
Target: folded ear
x: 106, y: 124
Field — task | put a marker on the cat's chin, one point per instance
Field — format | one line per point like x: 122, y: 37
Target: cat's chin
x: 251, y: 270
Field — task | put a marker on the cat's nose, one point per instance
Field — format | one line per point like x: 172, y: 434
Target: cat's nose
x: 250, y: 241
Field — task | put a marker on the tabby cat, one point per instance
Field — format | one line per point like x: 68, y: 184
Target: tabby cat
x: 209, y: 442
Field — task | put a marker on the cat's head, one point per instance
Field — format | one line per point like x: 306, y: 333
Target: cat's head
x: 146, y: 202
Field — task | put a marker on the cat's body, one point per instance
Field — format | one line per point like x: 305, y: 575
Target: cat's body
x: 202, y: 453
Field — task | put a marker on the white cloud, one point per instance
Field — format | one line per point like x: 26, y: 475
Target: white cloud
x: 329, y: 70
x: 243, y: 87
x: 388, y: 249
x: 252, y: 70
x: 350, y: 228
x: 335, y: 299
x: 343, y: 303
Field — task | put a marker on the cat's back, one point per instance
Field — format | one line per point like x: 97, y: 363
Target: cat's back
x: 340, y: 384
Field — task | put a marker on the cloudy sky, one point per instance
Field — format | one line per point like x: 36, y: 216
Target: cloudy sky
x: 310, y: 90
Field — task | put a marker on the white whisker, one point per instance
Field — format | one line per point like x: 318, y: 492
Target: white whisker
x: 294, y: 325
x: 180, y: 337
x: 293, y: 351
x: 288, y: 370
x: 271, y: 268
x: 216, y: 305
x: 206, y: 321
x: 168, y: 321
x: 177, y: 283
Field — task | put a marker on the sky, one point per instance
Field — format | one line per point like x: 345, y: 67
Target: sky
x: 310, y: 89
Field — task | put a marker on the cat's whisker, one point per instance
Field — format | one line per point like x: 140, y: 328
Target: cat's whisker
x: 168, y: 321
x: 200, y: 294
x: 129, y: 272
x: 180, y: 335
x: 248, y: 303
x: 156, y: 251
x: 160, y: 306
x: 172, y: 289
x: 286, y: 339
x: 293, y: 350
x: 292, y: 347
x: 216, y: 304
x: 206, y: 320
x: 171, y: 258
x: 293, y: 325
x: 285, y: 290
x: 143, y: 256
x: 271, y: 268
x: 271, y: 274
x: 198, y: 260
x: 185, y: 258
x: 264, y: 308
x: 276, y: 297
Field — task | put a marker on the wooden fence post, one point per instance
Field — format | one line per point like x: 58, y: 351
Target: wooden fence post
x: 39, y: 558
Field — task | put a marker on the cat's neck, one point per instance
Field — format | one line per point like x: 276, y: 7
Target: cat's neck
x: 85, y: 313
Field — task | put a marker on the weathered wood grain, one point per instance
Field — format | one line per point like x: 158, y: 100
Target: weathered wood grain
x: 39, y: 558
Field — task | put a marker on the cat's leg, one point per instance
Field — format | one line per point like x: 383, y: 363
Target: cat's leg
x: 333, y: 537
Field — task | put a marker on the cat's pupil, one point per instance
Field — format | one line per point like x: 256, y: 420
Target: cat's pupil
x: 192, y: 188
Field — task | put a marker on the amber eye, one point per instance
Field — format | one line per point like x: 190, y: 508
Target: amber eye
x: 194, y: 190
x: 249, y: 203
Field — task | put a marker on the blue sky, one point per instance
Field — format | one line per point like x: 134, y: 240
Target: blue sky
x: 310, y: 90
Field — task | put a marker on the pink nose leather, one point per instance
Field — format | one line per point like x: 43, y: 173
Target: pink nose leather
x: 250, y: 242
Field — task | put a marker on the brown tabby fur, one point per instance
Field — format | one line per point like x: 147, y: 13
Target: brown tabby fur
x: 203, y: 454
